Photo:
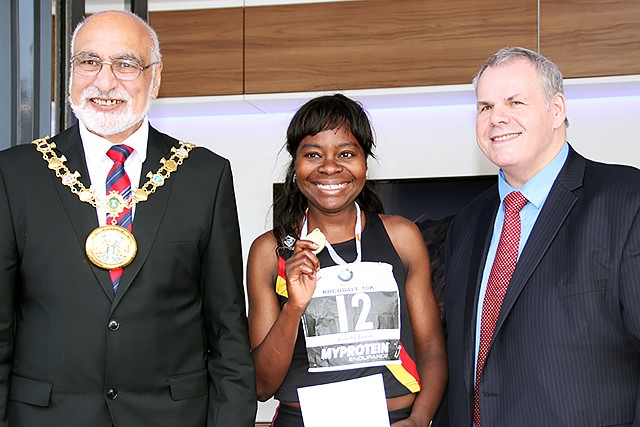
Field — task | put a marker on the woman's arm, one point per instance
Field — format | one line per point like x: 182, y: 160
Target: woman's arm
x: 430, y: 351
x: 272, y: 330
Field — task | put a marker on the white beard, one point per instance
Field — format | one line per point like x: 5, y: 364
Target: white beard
x: 107, y: 124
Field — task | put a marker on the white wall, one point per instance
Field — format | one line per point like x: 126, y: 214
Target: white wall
x: 421, y: 132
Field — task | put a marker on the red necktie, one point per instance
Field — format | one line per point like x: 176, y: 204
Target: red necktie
x: 501, y: 272
x: 118, y: 180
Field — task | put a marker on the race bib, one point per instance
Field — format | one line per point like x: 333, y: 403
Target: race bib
x: 353, y: 319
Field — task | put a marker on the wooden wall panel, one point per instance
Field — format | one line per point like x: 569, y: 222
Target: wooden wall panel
x: 202, y: 51
x: 379, y: 43
x: 588, y: 38
x: 385, y: 43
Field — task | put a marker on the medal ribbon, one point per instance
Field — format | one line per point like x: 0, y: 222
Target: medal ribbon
x: 332, y: 252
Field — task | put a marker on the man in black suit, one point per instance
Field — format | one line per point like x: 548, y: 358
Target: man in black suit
x: 565, y: 348
x: 101, y: 325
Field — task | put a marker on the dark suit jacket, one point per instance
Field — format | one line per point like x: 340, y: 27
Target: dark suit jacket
x: 170, y: 349
x: 566, y: 351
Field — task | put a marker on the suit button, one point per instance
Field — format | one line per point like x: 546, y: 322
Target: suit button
x: 113, y: 325
x: 112, y: 393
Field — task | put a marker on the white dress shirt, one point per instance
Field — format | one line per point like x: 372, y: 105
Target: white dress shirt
x: 99, y: 164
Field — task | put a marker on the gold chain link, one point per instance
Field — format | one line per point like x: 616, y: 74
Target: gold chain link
x: 88, y: 195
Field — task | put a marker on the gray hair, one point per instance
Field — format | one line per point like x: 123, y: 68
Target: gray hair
x: 550, y: 76
x: 156, y: 56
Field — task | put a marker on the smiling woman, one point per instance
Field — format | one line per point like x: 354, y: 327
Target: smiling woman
x: 369, y: 287
x: 331, y: 169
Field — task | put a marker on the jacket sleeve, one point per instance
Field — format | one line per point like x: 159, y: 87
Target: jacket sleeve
x: 630, y: 293
x: 232, y: 393
x: 8, y: 284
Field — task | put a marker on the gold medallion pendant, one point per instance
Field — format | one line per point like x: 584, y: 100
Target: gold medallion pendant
x: 111, y: 246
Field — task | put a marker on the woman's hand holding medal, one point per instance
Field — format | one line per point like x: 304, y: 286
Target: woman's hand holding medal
x: 317, y: 237
x: 302, y: 267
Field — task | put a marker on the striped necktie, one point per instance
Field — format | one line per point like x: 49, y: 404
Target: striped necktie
x: 118, y: 180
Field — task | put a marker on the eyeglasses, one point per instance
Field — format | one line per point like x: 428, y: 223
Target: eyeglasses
x: 123, y: 69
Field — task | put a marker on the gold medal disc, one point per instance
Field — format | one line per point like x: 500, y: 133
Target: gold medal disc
x: 111, y: 246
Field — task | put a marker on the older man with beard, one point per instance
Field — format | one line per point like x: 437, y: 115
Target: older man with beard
x: 121, y: 297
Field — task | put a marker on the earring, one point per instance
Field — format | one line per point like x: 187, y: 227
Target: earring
x: 295, y: 178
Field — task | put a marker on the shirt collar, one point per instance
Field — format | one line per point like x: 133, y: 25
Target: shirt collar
x: 96, y: 147
x: 538, y: 187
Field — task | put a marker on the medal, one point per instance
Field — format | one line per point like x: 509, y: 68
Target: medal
x: 346, y: 273
x: 111, y: 246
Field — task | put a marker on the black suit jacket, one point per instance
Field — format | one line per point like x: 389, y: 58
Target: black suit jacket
x: 566, y: 350
x: 170, y: 348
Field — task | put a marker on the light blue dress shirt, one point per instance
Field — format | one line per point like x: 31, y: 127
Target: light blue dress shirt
x: 536, y: 191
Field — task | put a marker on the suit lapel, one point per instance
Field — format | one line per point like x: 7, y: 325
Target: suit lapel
x: 81, y: 215
x: 481, y: 239
x: 559, y: 203
x: 148, y: 214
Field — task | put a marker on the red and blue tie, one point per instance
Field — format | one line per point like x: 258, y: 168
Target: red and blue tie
x: 118, y: 180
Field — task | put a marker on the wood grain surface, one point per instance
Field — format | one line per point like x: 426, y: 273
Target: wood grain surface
x: 378, y: 43
x: 202, y: 51
x: 385, y: 43
x: 588, y: 38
